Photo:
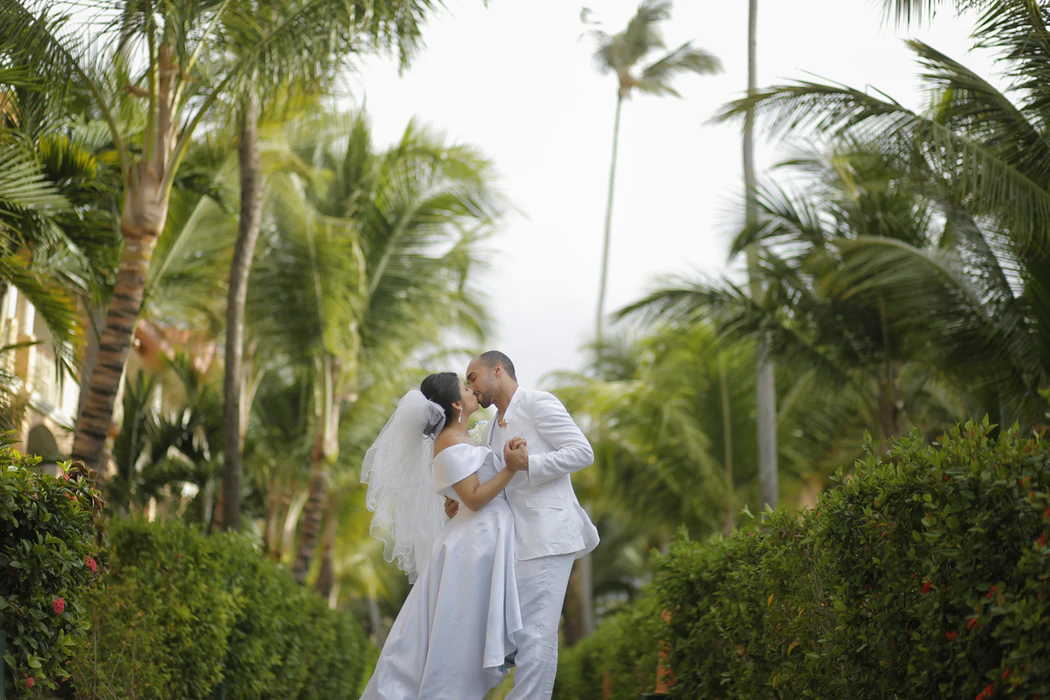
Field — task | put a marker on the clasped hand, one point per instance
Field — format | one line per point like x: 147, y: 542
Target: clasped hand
x: 515, y: 454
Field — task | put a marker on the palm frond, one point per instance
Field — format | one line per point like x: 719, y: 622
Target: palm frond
x: 975, y: 172
x: 23, y: 186
x: 907, y: 12
x: 685, y: 59
x: 931, y: 290
x: 969, y: 104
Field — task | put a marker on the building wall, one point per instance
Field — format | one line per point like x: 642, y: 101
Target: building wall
x: 48, y: 395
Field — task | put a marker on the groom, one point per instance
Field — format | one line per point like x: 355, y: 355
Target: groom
x: 553, y: 530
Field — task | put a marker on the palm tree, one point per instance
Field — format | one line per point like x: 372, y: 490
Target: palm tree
x: 674, y: 453
x: 765, y: 382
x: 54, y: 236
x: 822, y: 314
x: 366, y: 263
x: 315, y: 72
x: 622, y: 54
x: 188, y: 68
x: 981, y: 154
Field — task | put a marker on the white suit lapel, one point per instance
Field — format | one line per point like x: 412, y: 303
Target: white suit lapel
x: 486, y: 434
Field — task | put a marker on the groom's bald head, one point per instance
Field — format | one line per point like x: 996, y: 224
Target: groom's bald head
x: 491, y: 377
x: 494, y: 357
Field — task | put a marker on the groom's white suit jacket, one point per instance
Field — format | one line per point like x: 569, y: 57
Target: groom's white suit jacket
x: 548, y: 518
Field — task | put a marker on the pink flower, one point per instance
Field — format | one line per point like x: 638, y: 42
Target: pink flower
x: 91, y: 564
x: 59, y: 606
x: 66, y: 476
x: 30, y: 682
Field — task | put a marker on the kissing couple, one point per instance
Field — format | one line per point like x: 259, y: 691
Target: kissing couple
x: 490, y: 564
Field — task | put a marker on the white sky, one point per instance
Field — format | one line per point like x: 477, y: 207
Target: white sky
x: 517, y: 79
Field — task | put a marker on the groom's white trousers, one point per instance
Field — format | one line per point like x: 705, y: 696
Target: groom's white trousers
x: 541, y: 588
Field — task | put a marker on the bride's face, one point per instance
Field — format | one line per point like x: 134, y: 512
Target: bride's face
x: 470, y: 402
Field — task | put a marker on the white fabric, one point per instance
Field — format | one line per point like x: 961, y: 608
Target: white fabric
x: 542, y: 583
x: 548, y: 517
x: 462, y: 617
x: 401, y: 483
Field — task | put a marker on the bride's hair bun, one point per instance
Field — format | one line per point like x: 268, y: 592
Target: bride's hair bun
x: 442, y: 389
x: 435, y: 421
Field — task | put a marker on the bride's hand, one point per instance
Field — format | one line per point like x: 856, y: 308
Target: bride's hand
x: 451, y: 507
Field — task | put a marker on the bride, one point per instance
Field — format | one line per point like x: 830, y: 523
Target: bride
x: 458, y: 623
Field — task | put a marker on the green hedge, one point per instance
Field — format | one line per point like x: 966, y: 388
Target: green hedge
x: 619, y: 657
x: 926, y: 573
x: 48, y: 560
x: 182, y: 615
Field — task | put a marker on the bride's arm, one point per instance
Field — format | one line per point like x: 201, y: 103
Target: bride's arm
x: 475, y: 494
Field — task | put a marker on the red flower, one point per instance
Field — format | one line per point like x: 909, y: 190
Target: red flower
x: 1042, y: 541
x: 972, y: 623
x: 1046, y: 513
x: 946, y: 477
x: 59, y: 606
x: 1006, y: 674
x: 991, y: 591
x: 951, y: 635
x: 65, y: 475
x: 30, y: 682
x: 91, y: 564
x: 926, y: 587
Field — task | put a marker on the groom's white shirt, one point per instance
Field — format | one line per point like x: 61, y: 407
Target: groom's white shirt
x: 548, y: 518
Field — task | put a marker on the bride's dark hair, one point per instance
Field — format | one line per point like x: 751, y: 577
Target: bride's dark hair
x: 443, y: 389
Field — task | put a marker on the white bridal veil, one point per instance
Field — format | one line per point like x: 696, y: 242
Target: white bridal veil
x: 409, y: 513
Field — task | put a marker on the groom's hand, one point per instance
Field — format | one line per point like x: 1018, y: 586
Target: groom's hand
x: 451, y: 507
x: 516, y: 454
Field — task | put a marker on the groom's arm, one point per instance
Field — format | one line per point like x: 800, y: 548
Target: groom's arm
x: 571, y: 451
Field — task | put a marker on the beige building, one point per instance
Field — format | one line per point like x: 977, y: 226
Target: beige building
x: 37, y: 391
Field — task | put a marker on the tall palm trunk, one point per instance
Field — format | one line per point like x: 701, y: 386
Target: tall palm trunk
x: 581, y: 584
x: 727, y: 440
x: 240, y: 268
x: 326, y: 576
x: 272, y: 528
x: 326, y: 450
x: 889, y: 386
x: 600, y: 321
x: 142, y: 218
x: 767, y: 399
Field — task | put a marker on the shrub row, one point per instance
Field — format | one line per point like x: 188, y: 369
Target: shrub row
x: 48, y: 560
x: 925, y: 573
x: 182, y: 615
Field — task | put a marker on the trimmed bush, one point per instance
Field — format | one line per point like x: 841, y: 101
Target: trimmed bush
x: 926, y: 573
x: 938, y: 569
x: 48, y: 560
x: 619, y: 658
x: 183, y: 615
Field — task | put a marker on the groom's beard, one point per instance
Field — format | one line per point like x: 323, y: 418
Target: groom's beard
x: 485, y: 400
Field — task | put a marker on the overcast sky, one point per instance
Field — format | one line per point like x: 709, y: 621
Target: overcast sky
x: 517, y: 79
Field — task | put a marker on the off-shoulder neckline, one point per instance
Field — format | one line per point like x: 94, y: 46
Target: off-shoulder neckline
x: 458, y: 444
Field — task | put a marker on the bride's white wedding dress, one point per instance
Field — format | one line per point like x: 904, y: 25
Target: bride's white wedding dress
x: 458, y: 623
